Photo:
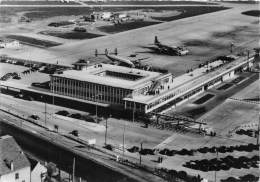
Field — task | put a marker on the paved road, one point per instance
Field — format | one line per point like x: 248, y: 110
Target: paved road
x: 104, y: 5
x: 94, y: 155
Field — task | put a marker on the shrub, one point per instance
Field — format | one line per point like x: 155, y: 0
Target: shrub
x: 63, y: 113
x: 182, y: 174
x: 76, y: 116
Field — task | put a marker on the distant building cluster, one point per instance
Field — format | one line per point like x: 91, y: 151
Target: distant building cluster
x: 7, y: 43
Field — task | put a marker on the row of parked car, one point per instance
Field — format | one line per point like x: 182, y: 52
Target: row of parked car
x: 222, y: 149
x: 247, y: 178
x: 84, y: 117
x: 225, y: 163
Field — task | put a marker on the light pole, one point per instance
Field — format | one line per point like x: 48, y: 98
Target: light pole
x: 106, y: 130
x: 134, y: 112
x: 124, y: 140
x: 216, y: 170
x: 95, y: 100
x: 141, y: 146
x: 258, y: 129
x: 45, y: 111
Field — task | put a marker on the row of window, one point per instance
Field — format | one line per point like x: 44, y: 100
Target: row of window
x: 88, y: 91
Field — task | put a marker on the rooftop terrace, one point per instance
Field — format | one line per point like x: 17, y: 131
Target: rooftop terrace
x: 112, y: 75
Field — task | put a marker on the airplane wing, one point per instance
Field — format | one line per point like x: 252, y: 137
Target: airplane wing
x: 120, y: 59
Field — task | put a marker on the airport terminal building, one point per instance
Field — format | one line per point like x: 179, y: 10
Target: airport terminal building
x: 140, y: 90
x: 107, y: 84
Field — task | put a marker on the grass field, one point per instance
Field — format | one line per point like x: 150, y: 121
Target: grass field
x: 47, y: 12
x: 125, y: 26
x: 71, y: 35
x: 224, y: 87
x: 252, y: 13
x: 33, y: 41
x: 204, y: 99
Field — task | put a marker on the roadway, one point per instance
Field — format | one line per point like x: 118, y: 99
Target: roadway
x: 103, y: 5
x: 101, y: 158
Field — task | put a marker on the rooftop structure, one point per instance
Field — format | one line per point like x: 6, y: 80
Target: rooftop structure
x: 111, y: 75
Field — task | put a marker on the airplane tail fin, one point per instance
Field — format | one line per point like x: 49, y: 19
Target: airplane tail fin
x: 156, y: 41
x: 116, y: 51
x: 96, y: 52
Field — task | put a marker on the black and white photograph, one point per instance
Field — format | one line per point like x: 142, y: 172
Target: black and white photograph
x: 129, y: 90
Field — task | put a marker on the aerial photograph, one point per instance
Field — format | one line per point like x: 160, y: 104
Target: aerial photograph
x: 129, y: 90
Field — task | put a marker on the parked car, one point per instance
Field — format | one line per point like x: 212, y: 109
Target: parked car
x: 35, y: 117
x: 75, y: 133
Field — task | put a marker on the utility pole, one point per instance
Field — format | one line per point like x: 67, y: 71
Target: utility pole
x: 106, y: 132
x: 258, y: 129
x: 45, y: 114
x: 124, y: 140
x: 141, y: 147
x: 73, y: 170
x: 134, y: 113
x: 45, y: 111
x: 95, y: 100
x: 231, y: 47
x: 216, y: 170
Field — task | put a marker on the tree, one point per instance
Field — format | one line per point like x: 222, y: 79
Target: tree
x: 56, y: 127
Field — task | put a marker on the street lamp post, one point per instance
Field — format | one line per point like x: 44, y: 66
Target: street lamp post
x: 141, y: 146
x: 258, y: 130
x: 124, y: 140
x: 134, y: 112
x: 96, y: 109
x: 216, y: 170
x: 45, y: 111
x: 106, y: 133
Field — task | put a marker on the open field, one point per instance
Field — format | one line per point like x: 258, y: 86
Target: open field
x: 71, y: 35
x: 36, y: 13
x: 125, y: 26
x: 32, y: 41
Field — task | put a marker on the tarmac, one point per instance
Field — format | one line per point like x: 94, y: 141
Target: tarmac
x: 172, y: 33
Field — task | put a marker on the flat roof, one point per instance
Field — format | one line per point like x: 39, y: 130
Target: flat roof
x: 187, y: 82
x: 92, y: 74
